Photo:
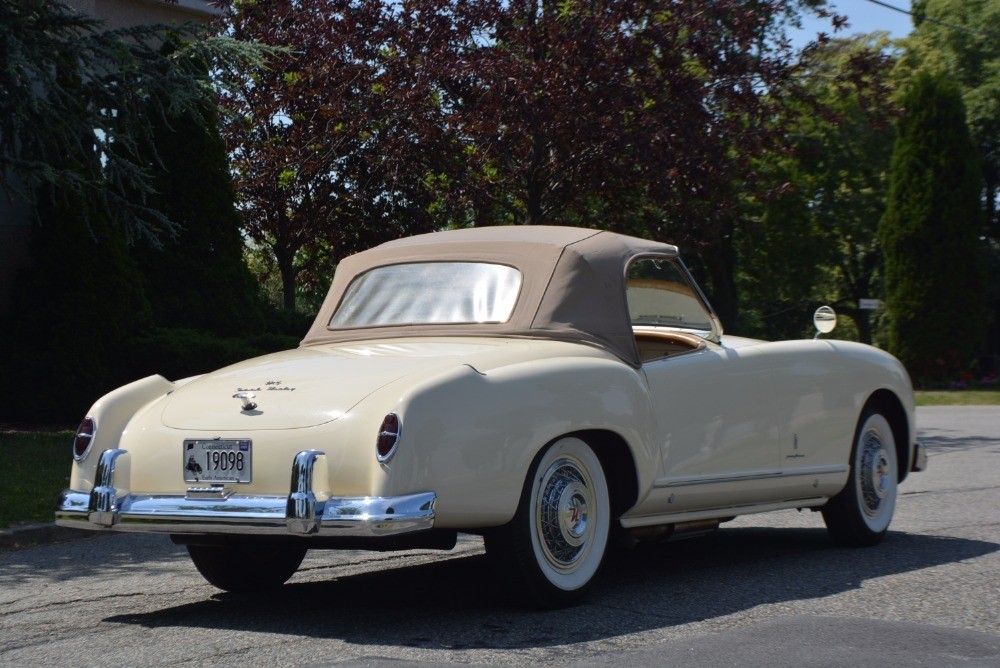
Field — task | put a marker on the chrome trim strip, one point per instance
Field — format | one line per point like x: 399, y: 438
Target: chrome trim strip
x: 252, y: 515
x: 763, y: 475
x: 919, y: 457
x: 210, y: 492
x: 382, y: 515
x: 694, y: 515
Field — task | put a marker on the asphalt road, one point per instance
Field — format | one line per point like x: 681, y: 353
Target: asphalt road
x: 766, y: 590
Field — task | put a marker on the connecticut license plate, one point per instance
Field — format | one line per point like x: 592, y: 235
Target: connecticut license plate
x: 217, y: 461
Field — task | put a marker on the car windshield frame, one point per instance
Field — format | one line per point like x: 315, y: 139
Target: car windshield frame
x: 709, y: 330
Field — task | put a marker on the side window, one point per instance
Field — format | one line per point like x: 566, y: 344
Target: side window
x: 659, y: 295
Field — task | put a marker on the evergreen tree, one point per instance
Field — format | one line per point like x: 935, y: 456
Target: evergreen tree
x: 72, y: 315
x: 197, y: 278
x: 930, y: 235
x: 963, y: 40
x: 61, y: 71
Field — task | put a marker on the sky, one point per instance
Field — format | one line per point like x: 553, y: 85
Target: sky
x: 863, y: 16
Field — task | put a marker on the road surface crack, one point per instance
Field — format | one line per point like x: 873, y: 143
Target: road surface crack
x: 35, y: 606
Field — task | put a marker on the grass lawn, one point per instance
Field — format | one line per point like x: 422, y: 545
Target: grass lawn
x: 34, y: 468
x: 958, y: 398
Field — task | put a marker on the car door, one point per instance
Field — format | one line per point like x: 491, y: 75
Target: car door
x: 716, y: 425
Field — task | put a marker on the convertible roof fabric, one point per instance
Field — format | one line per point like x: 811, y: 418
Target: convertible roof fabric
x: 573, y: 284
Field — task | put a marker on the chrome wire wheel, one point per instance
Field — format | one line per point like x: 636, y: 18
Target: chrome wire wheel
x: 875, y: 474
x: 562, y: 514
x: 570, y: 514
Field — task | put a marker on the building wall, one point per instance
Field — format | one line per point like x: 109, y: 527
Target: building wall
x: 124, y: 13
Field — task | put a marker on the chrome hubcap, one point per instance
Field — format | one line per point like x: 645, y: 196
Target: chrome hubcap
x: 573, y: 513
x: 875, y: 472
x: 563, y: 513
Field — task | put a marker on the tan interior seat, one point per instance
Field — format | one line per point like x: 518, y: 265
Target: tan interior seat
x: 658, y: 345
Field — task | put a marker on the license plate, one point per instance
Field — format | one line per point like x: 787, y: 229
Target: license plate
x: 217, y: 461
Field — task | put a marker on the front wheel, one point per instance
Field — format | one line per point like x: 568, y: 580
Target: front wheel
x: 860, y: 514
x: 248, y: 568
x: 553, y: 548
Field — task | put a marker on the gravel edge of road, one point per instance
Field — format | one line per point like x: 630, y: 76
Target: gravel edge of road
x: 16, y: 537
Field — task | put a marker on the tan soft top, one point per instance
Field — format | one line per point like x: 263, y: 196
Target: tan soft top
x: 573, y: 284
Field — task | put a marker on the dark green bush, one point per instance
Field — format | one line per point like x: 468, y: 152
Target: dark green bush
x: 93, y: 313
x: 179, y: 353
x: 272, y: 341
x: 288, y: 323
x: 72, y: 314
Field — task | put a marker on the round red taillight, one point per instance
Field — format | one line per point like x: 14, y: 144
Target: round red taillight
x: 84, y: 437
x: 388, y: 437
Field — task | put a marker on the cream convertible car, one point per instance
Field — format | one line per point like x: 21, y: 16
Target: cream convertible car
x: 548, y: 388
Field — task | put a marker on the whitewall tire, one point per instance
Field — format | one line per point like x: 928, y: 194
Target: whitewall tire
x: 554, y: 547
x: 861, y: 513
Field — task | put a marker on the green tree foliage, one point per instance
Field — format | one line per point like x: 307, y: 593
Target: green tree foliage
x: 61, y: 71
x: 962, y: 39
x: 813, y: 239
x: 930, y: 234
x: 80, y: 111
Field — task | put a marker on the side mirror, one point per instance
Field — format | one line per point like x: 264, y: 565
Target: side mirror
x: 825, y: 320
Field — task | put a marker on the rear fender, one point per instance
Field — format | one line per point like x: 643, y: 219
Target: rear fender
x: 111, y: 414
x: 470, y: 437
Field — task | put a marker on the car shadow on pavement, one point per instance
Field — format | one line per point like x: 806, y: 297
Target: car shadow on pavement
x: 942, y: 439
x: 455, y: 604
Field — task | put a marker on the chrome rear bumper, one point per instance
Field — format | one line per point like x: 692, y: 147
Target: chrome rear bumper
x: 215, y: 509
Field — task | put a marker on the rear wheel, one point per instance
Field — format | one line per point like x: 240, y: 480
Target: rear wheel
x: 247, y: 568
x: 861, y: 513
x: 553, y: 548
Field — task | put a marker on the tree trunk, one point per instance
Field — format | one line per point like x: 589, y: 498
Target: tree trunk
x: 286, y: 267
x: 862, y: 319
x: 720, y: 262
x: 535, y: 184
